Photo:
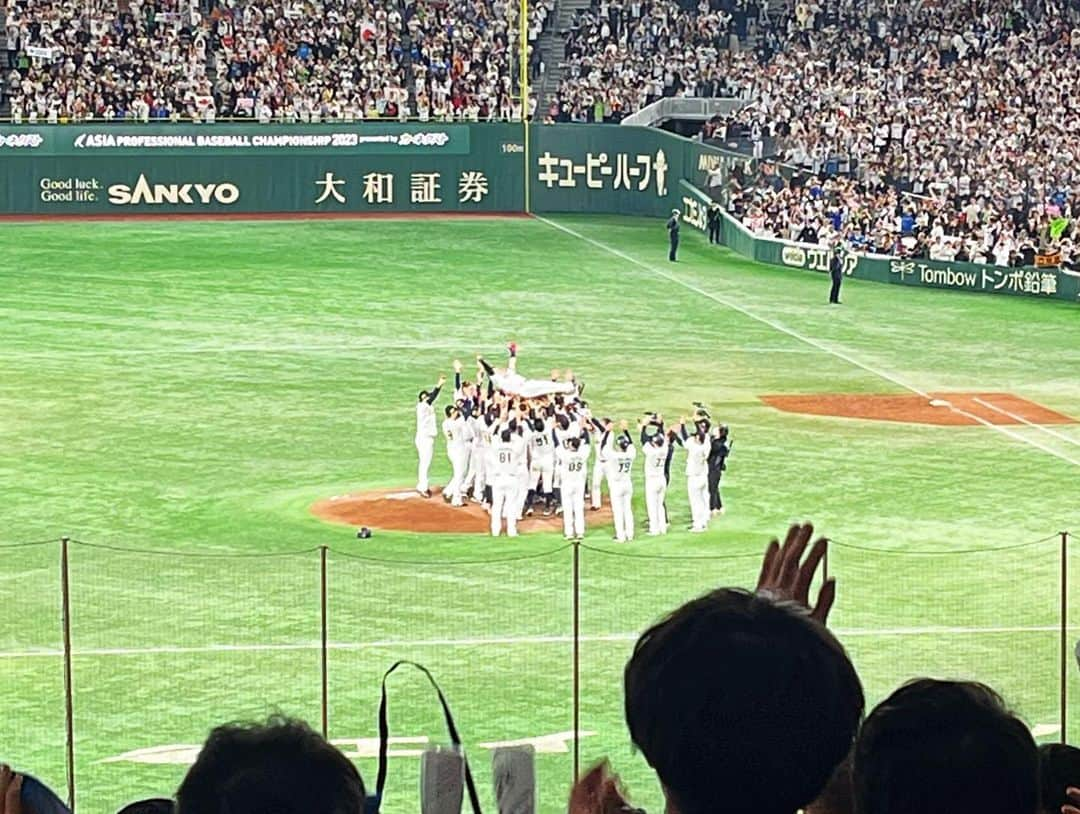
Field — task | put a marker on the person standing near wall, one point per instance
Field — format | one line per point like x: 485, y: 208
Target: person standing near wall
x: 673, y: 235
x: 836, y: 271
x: 712, y: 219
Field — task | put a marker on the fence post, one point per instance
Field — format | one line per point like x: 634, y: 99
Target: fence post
x: 69, y: 714
x: 1064, y: 677
x: 325, y: 695
x: 576, y: 701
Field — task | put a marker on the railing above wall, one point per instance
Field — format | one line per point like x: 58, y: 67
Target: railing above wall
x: 683, y: 108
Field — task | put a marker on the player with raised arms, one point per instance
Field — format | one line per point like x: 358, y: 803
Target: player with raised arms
x: 620, y: 454
x: 655, y: 449
x: 425, y: 435
x: 572, y: 462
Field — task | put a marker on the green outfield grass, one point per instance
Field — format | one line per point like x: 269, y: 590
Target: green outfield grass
x: 191, y: 388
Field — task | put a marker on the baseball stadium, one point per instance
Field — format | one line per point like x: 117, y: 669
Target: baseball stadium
x: 496, y: 343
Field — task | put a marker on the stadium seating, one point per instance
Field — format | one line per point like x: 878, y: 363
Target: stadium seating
x: 941, y: 115
x: 959, y: 139
x: 260, y: 60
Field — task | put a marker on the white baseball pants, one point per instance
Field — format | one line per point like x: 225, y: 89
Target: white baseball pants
x: 655, y: 493
x: 621, y: 494
x: 543, y: 472
x: 459, y: 460
x: 697, y: 488
x: 425, y: 449
x: 503, y: 502
x: 597, y: 483
x: 573, y: 502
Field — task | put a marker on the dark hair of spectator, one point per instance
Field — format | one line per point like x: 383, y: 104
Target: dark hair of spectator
x: 939, y: 747
x: 281, y: 766
x: 741, y: 705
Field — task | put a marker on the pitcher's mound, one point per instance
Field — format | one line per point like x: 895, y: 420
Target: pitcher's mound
x: 958, y: 409
x: 405, y: 510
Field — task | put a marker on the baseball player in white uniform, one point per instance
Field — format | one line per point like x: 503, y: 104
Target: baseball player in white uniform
x: 654, y: 449
x: 509, y: 381
x: 457, y: 433
x: 572, y: 462
x: 476, y: 478
x: 489, y: 433
x: 526, y: 433
x: 620, y: 455
x: 425, y: 435
x: 697, y: 476
x: 508, y: 450
x: 542, y: 461
x: 599, y: 465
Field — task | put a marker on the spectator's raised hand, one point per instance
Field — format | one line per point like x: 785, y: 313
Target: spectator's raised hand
x: 1072, y: 808
x: 599, y: 792
x: 784, y: 576
x: 10, y: 791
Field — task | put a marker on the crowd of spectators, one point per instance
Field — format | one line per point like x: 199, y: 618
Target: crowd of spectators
x: 288, y: 60
x: 620, y: 55
x: 741, y: 701
x: 953, y: 123
x: 946, y: 129
x: 881, y: 218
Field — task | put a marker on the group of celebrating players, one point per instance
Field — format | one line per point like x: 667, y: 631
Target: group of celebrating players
x: 519, y: 445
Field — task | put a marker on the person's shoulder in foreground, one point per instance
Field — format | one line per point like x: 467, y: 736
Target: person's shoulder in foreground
x: 1059, y: 778
x: 25, y: 794
x: 282, y: 766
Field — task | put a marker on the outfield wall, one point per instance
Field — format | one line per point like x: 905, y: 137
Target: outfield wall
x: 375, y: 167
x: 354, y: 168
x: 1044, y: 282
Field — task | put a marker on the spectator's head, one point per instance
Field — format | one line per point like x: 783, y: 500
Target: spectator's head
x: 282, y: 766
x: 1059, y: 770
x: 741, y: 705
x: 939, y: 747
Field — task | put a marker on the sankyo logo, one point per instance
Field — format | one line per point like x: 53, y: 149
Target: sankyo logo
x: 793, y: 256
x: 181, y: 194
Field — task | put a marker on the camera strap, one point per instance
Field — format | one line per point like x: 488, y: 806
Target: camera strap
x: 375, y: 801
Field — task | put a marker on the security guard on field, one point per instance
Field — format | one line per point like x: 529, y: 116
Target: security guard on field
x: 712, y: 219
x: 673, y: 234
x: 836, y: 271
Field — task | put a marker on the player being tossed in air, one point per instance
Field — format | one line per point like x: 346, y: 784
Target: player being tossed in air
x: 509, y: 381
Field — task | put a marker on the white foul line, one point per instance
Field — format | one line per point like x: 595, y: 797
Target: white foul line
x: 832, y: 351
x: 1023, y: 420
x: 494, y: 641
